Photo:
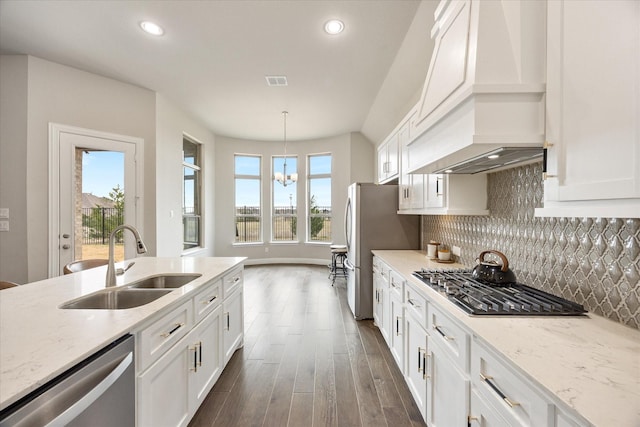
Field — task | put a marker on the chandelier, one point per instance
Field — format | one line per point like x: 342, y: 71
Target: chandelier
x: 283, y: 178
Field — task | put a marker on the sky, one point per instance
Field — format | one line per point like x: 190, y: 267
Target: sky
x: 102, y: 171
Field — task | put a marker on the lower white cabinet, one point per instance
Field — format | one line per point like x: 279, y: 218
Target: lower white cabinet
x: 482, y: 414
x: 396, y: 334
x: 233, y: 323
x: 181, y: 354
x: 447, y: 389
x: 381, y: 298
x: 455, y: 378
x: 416, y: 341
x: 172, y: 389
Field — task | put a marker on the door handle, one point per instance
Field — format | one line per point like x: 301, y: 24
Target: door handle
x: 65, y: 246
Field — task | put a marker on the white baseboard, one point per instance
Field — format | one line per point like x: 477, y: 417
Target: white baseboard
x: 263, y: 261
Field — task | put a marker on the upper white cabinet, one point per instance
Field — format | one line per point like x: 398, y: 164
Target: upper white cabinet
x: 593, y: 109
x: 388, y: 159
x: 411, y: 186
x: 485, y: 85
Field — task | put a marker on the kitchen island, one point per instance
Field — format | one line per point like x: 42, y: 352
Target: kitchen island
x: 39, y: 340
x: 588, y: 365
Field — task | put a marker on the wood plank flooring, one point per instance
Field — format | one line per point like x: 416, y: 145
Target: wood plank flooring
x: 306, y: 361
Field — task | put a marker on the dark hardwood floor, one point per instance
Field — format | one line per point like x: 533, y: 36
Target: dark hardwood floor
x: 306, y: 361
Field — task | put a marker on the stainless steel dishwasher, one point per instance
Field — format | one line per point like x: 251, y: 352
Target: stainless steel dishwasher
x: 98, y: 392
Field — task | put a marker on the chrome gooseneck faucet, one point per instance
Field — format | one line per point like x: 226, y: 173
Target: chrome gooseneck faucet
x: 140, y: 248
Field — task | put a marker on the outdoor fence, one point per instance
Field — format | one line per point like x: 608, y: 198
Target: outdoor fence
x: 284, y: 224
x: 97, y: 224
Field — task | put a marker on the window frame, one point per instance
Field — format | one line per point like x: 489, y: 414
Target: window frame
x: 259, y: 216
x: 197, y: 168
x: 273, y: 215
x: 308, y: 214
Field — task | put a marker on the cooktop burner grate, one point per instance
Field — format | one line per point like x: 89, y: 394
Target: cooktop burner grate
x: 480, y: 298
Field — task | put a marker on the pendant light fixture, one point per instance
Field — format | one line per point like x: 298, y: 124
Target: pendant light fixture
x: 283, y: 178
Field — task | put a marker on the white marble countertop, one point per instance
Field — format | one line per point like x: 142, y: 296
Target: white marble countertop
x: 591, y: 364
x: 39, y: 341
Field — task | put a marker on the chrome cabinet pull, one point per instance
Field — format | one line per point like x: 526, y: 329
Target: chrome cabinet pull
x: 487, y: 379
x: 199, y: 353
x: 210, y: 300
x: 175, y: 328
x: 194, y: 368
x: 228, y: 322
x: 425, y: 357
x: 397, y: 325
x: 445, y: 336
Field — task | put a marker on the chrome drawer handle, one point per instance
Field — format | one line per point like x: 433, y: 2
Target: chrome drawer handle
x: 487, y: 379
x: 175, y: 328
x: 445, y: 336
x: 209, y: 301
x: 413, y: 303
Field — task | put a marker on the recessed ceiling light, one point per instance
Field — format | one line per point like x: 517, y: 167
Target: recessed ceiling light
x: 493, y: 156
x: 152, y: 28
x: 448, y: 171
x: 334, y: 26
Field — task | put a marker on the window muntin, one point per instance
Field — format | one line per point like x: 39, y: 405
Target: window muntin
x: 319, y: 210
x: 248, y: 202
x: 284, y: 213
x: 191, y: 195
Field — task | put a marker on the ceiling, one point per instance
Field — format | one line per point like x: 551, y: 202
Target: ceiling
x: 214, y: 56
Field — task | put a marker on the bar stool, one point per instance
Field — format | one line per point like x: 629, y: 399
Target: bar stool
x: 337, y: 267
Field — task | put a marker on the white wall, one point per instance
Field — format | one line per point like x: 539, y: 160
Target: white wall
x: 352, y: 158
x: 13, y: 165
x: 172, y: 124
x: 61, y: 94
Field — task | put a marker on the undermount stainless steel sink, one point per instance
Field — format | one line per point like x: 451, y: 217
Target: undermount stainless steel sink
x: 164, y: 281
x: 116, y: 299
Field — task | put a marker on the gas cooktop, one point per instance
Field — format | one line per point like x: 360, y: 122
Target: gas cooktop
x: 480, y: 298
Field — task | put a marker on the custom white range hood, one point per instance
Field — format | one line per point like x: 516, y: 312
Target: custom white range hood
x: 484, y: 92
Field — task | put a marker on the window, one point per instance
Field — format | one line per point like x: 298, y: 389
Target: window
x: 319, y: 198
x: 284, y: 217
x: 248, y: 201
x: 191, y: 207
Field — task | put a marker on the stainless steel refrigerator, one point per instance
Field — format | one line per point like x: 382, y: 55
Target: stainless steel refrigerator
x: 372, y: 222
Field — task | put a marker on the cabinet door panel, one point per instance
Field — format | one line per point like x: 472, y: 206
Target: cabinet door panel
x: 207, y: 336
x: 164, y: 390
x: 447, y: 390
x: 396, y: 314
x: 593, y: 106
x: 483, y: 415
x: 415, y: 350
x: 233, y: 324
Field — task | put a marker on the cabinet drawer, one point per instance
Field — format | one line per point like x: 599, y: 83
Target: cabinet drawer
x: 157, y: 338
x: 207, y: 300
x: 232, y: 281
x: 416, y: 304
x: 396, y: 285
x: 453, y: 338
x: 513, y: 396
x: 483, y: 415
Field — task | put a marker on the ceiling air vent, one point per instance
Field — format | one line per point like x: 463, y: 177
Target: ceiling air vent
x: 276, y: 80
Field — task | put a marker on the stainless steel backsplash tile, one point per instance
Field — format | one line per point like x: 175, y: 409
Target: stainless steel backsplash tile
x: 592, y: 261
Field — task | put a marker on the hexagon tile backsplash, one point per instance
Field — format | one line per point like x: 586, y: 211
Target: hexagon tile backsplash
x: 592, y: 261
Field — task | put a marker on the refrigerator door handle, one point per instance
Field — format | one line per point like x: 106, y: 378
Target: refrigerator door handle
x: 347, y: 223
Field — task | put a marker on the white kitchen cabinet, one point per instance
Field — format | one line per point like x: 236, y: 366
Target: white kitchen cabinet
x: 411, y: 186
x: 415, y: 375
x: 396, y: 335
x: 447, y: 389
x: 172, y: 389
x: 514, y: 398
x: 455, y: 195
x: 181, y: 354
x: 482, y: 414
x: 388, y: 159
x: 593, y: 109
x: 233, y: 323
x: 381, y: 297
